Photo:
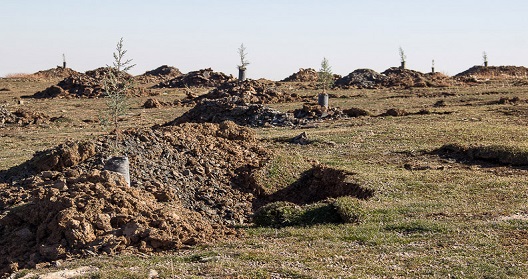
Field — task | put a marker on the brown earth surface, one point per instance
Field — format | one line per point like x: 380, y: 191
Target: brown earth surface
x: 201, y: 78
x: 89, y: 84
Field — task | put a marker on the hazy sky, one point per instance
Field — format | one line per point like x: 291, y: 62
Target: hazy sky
x: 280, y: 36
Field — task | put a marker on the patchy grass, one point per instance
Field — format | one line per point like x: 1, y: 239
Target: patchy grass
x: 445, y: 219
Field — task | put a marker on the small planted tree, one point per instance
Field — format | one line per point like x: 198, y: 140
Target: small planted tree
x: 243, y: 63
x: 403, y: 58
x: 485, y: 58
x: 117, y: 85
x: 326, y: 80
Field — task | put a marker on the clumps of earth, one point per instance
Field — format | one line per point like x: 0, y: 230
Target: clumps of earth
x: 21, y: 117
x: 237, y: 110
x: 303, y: 75
x: 190, y: 184
x: 160, y: 74
x: 254, y: 92
x: 392, y: 77
x: 55, y: 73
x: 477, y: 74
x: 89, y: 84
x: 201, y: 78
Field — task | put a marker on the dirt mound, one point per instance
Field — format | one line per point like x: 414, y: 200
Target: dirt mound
x: 89, y: 84
x: 494, y: 154
x: 392, y: 77
x: 356, y: 112
x: 253, y: 92
x: 317, y: 184
x: 303, y: 75
x: 477, y: 73
x: 362, y: 79
x: 237, y: 110
x: 94, y: 212
x: 185, y: 190
x: 201, y: 78
x: 398, y: 77
x: 55, y: 73
x: 311, y: 111
x: 160, y: 74
x: 21, y: 117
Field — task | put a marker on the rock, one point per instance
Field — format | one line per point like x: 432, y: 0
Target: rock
x: 301, y: 139
x: 152, y: 103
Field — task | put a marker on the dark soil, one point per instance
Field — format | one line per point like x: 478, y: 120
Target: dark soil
x: 479, y: 73
x: 495, y: 154
x: 201, y: 78
x: 89, y: 84
x: 362, y: 79
x: 160, y: 74
x: 237, y: 110
x: 22, y: 117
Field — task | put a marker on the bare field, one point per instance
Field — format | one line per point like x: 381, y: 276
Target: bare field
x: 432, y: 216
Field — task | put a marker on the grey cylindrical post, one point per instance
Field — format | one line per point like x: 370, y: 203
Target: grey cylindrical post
x: 120, y: 165
x: 241, y: 74
x: 322, y: 100
x: 485, y: 63
x: 432, y: 70
x: 64, y: 65
x: 402, y: 65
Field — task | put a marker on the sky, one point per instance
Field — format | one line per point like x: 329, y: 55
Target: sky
x: 280, y: 36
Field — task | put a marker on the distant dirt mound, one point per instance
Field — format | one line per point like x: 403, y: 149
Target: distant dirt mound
x: 184, y: 191
x: 89, y: 84
x: 303, y: 75
x: 398, y: 77
x: 202, y: 78
x: 476, y: 73
x: 21, y: 117
x: 55, y: 73
x: 237, y: 110
x: 252, y: 91
x: 362, y: 79
x: 162, y: 73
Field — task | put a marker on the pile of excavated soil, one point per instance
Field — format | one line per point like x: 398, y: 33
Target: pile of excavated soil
x: 317, y: 184
x: 303, y: 75
x: 21, y: 117
x: 476, y: 73
x: 392, y: 77
x: 362, y: 79
x: 160, y: 74
x: 237, y: 110
x: 398, y: 77
x: 252, y: 91
x: 89, y: 84
x: 187, y: 187
x: 55, y: 73
x: 201, y: 78
x: 316, y: 112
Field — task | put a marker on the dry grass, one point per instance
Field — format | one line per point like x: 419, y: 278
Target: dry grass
x: 440, y: 218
